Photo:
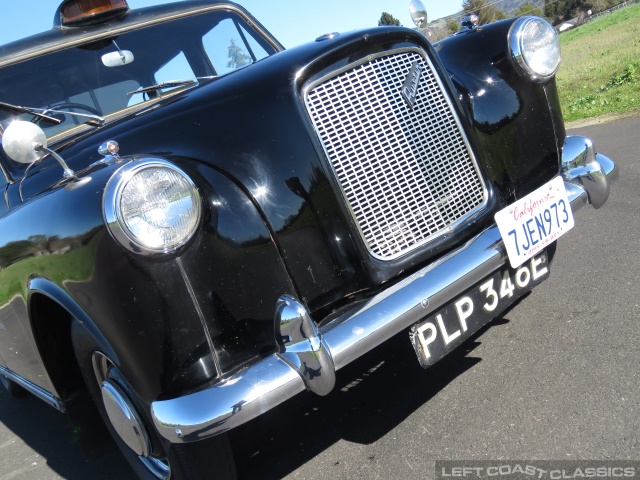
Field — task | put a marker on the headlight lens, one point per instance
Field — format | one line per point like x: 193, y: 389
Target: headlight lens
x: 152, y: 207
x: 535, y: 47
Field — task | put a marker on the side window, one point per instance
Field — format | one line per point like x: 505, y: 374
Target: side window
x: 255, y: 47
x: 229, y: 47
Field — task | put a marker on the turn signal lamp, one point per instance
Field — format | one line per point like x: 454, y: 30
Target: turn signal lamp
x: 75, y: 12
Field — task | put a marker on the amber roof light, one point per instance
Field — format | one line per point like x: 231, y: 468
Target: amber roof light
x: 74, y: 12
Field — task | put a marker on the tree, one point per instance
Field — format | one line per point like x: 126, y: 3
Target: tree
x: 551, y: 10
x: 599, y: 5
x: 486, y: 11
x: 528, y: 9
x: 453, y: 26
x: 388, y: 19
x: 237, y: 57
x: 568, y: 9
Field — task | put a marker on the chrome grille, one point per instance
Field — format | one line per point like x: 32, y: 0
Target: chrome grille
x: 407, y: 174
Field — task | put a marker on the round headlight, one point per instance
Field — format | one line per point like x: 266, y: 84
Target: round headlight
x: 151, y: 207
x: 535, y: 47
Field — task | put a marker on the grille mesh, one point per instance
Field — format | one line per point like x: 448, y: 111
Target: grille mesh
x: 406, y: 174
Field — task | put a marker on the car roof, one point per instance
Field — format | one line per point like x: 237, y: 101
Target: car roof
x: 64, y: 37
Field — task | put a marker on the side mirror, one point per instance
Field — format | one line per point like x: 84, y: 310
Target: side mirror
x: 24, y: 141
x: 418, y: 13
x: 470, y: 21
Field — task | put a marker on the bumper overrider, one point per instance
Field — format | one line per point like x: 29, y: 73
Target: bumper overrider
x: 312, y: 355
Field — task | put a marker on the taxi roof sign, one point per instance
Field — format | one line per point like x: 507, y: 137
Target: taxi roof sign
x: 75, y: 12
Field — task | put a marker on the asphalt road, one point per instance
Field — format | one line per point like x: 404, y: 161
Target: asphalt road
x: 554, y: 378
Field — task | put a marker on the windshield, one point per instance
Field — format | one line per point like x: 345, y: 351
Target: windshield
x: 98, y: 78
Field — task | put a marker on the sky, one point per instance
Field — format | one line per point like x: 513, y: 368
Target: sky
x: 291, y: 21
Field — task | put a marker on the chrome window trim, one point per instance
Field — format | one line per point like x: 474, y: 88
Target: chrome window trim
x: 454, y: 227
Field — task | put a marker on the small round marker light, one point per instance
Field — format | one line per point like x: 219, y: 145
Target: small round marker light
x: 110, y: 147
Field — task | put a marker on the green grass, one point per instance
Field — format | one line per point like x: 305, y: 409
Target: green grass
x: 600, y: 72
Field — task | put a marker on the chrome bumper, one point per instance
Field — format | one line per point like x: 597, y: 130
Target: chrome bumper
x: 592, y: 171
x: 313, y: 355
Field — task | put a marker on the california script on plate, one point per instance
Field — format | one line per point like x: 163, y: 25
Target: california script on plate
x: 530, y: 224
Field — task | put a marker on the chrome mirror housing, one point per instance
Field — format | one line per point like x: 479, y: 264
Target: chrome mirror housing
x: 418, y: 13
x: 24, y: 141
x: 470, y: 21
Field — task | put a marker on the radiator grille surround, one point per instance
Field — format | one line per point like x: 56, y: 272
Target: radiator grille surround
x: 407, y: 174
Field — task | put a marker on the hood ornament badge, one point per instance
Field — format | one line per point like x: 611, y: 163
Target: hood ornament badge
x: 411, y: 83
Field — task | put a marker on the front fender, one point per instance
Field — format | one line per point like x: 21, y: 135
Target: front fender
x: 518, y: 122
x: 172, y: 323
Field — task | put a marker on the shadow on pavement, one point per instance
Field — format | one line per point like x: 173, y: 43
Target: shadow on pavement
x: 48, y: 437
x: 373, y: 395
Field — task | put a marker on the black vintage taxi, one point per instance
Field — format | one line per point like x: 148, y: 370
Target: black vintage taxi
x: 197, y: 224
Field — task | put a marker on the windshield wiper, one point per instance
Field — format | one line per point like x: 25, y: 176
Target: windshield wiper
x: 19, y: 109
x: 169, y: 84
x: 42, y: 113
x: 95, y: 118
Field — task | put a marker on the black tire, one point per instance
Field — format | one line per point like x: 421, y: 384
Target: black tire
x: 12, y: 387
x: 210, y: 459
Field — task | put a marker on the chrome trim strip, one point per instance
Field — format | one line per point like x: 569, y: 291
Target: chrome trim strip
x: 34, y: 389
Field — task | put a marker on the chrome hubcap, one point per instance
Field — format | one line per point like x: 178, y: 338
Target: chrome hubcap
x: 125, y: 419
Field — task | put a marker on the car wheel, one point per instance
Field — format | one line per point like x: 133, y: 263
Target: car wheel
x: 127, y: 420
x: 12, y: 387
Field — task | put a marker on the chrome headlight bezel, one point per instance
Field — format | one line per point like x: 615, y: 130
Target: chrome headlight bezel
x: 116, y: 220
x: 521, y: 52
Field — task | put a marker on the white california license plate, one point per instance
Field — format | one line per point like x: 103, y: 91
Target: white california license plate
x: 535, y: 221
x: 444, y: 330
